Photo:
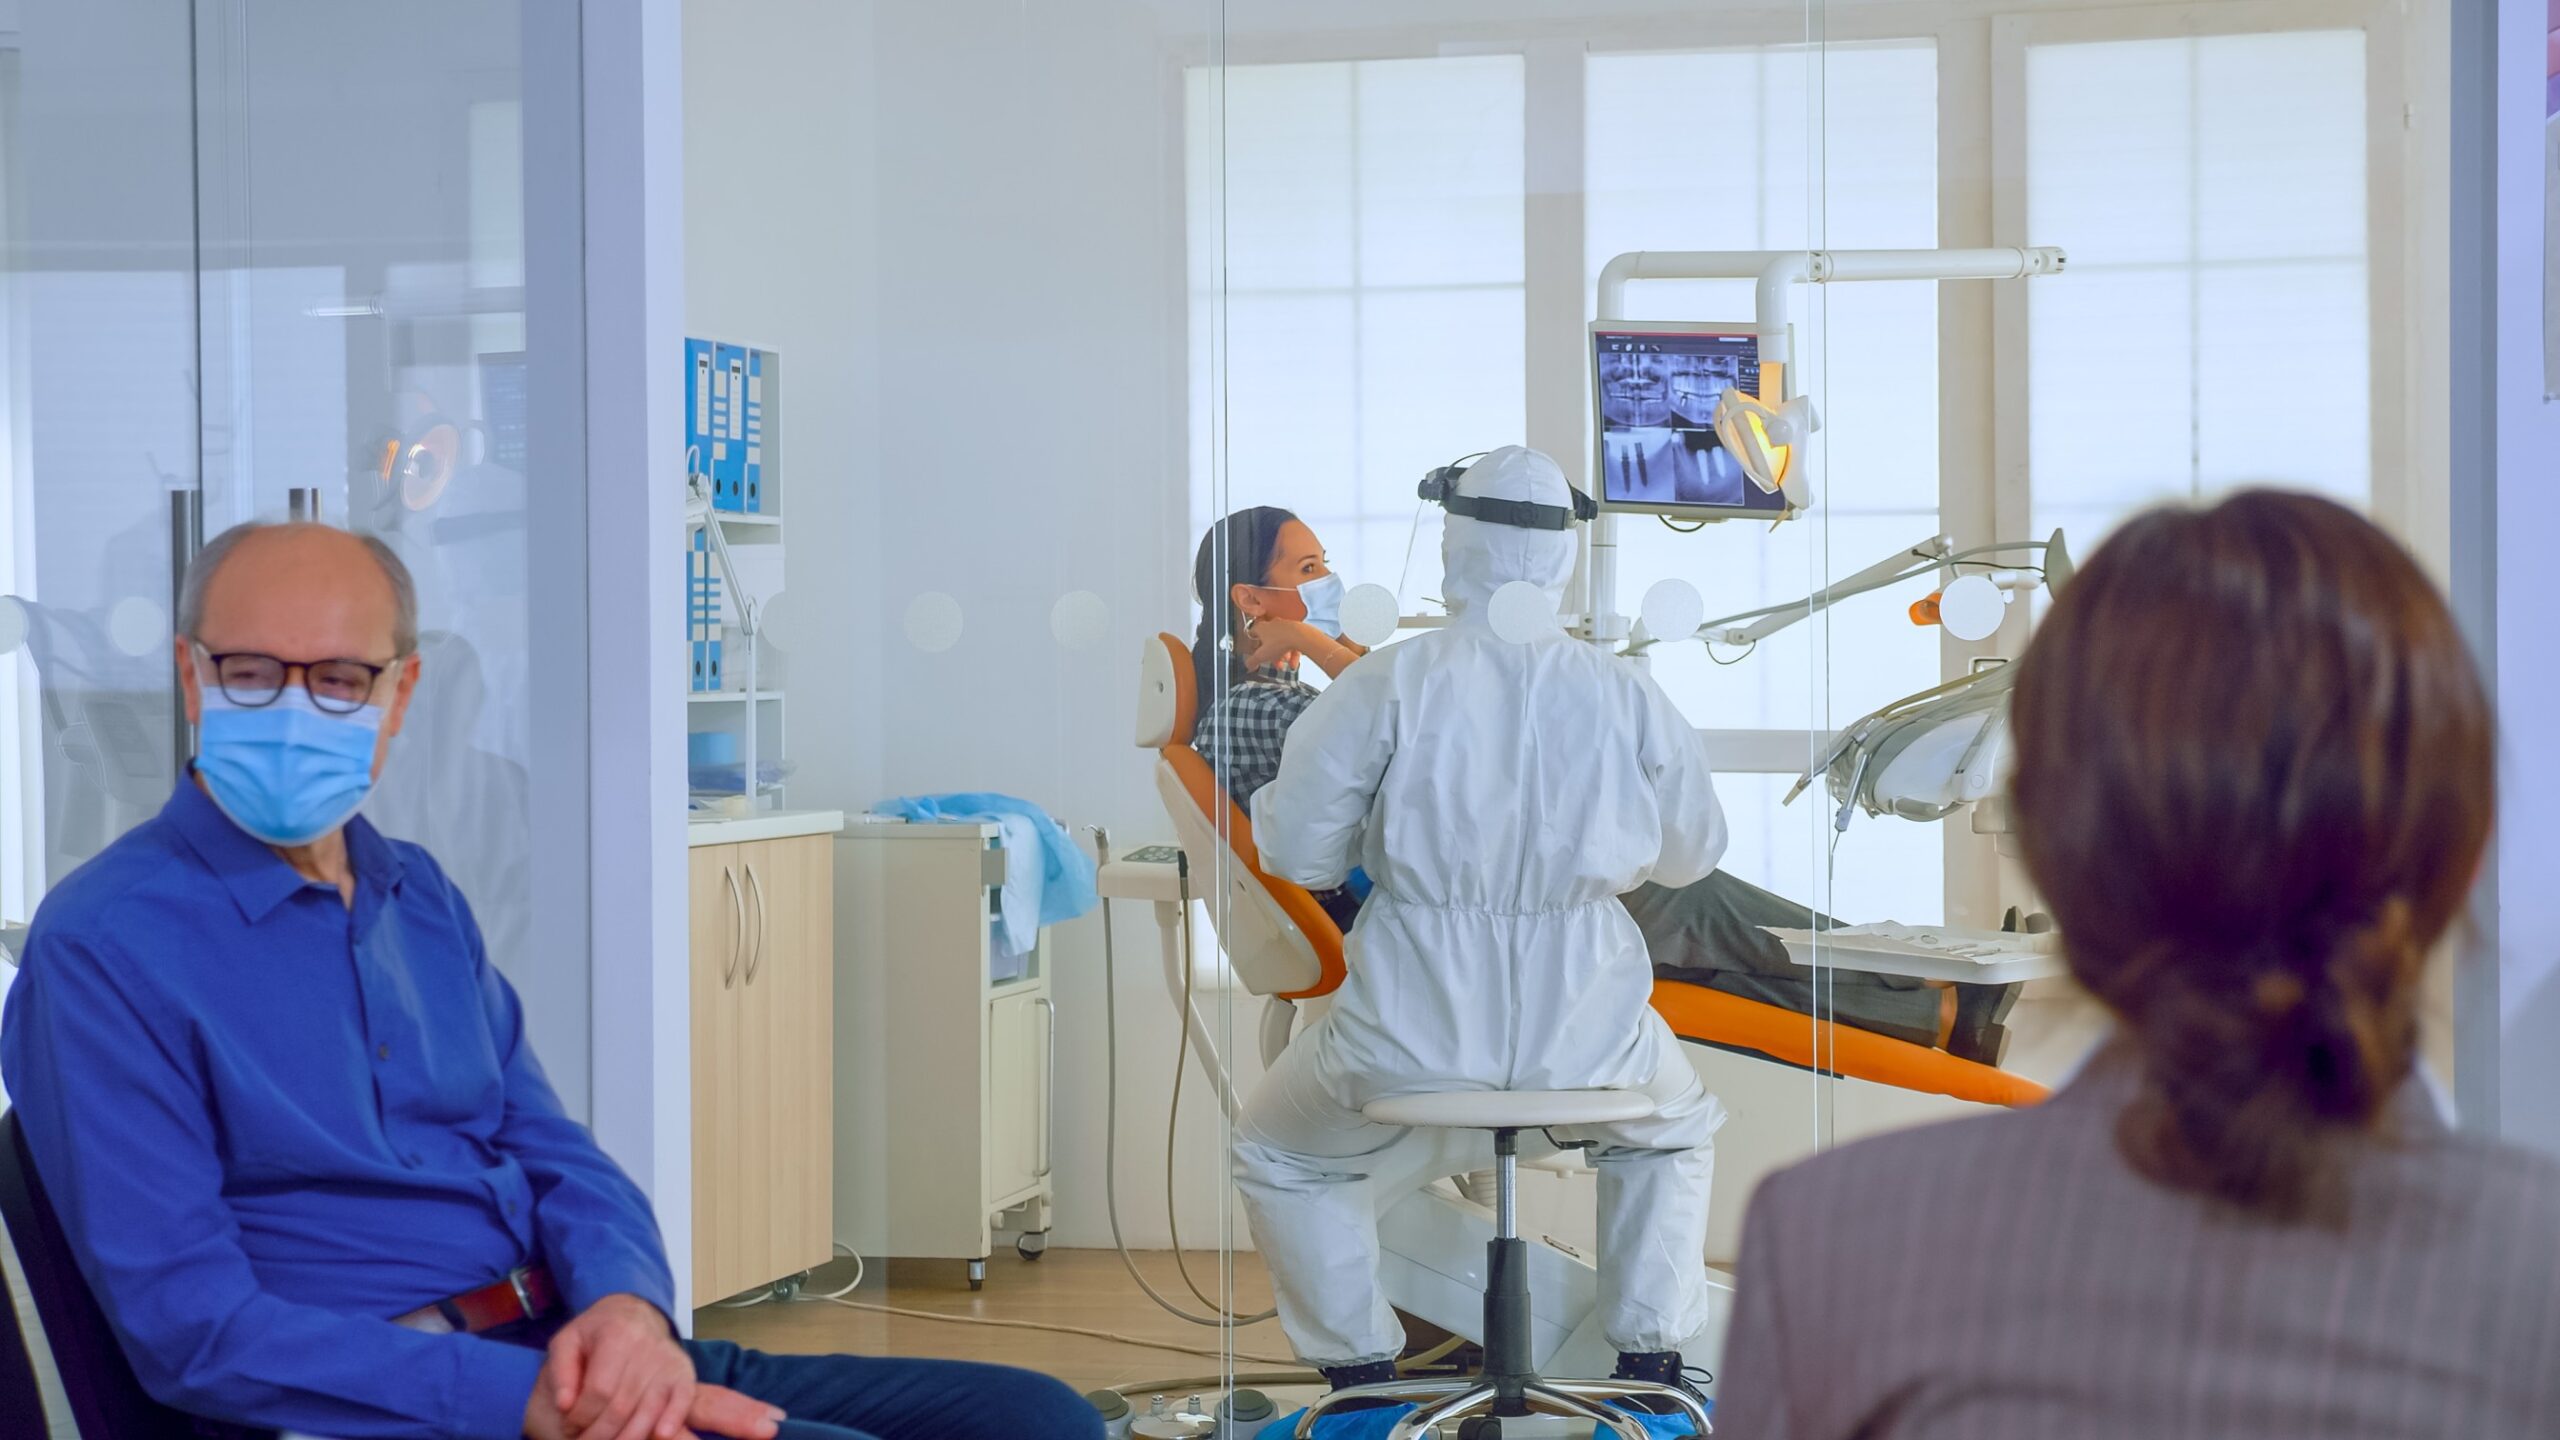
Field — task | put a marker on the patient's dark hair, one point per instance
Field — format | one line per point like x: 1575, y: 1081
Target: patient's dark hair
x: 1236, y: 551
x: 2254, y: 783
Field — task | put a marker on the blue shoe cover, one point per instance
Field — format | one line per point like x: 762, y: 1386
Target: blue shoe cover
x: 1662, y: 1427
x: 1371, y: 1424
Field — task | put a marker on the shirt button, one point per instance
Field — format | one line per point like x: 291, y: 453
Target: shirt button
x: 511, y: 1209
x: 381, y: 1052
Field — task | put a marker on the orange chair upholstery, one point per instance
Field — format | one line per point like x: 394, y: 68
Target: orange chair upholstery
x: 1731, y: 1022
x: 1278, y: 939
x: 1282, y: 943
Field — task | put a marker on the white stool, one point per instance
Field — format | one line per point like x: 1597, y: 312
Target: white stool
x: 1510, y: 1385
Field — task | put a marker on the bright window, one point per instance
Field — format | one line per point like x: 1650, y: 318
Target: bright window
x: 2214, y: 329
x: 1368, y: 217
x: 1653, y: 183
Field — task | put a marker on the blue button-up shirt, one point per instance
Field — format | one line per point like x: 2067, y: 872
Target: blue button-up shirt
x: 271, y: 1120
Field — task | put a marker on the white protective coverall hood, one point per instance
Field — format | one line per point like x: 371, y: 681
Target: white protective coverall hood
x: 1501, y: 796
x: 1478, y: 557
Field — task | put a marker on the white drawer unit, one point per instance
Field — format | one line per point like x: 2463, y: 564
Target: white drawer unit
x: 945, y: 1076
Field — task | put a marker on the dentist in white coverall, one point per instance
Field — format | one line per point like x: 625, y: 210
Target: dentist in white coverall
x: 1501, y: 795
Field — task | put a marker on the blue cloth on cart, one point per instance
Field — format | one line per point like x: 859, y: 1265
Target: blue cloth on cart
x: 1060, y: 887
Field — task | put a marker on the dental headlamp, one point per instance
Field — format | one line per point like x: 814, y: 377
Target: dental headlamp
x: 1441, y: 488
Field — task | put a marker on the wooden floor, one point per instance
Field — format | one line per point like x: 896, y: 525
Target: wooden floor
x: 1086, y: 1291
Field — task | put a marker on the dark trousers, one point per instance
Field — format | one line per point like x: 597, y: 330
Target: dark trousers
x: 1709, y: 934
x: 862, y: 1397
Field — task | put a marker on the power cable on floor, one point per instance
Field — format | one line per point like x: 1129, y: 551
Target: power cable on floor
x: 1078, y: 1330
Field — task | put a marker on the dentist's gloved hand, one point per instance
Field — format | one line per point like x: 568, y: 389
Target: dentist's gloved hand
x: 1359, y: 884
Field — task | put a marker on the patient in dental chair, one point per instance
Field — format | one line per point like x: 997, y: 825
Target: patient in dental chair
x: 1281, y: 606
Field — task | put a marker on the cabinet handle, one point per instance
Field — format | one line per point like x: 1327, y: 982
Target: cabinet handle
x: 1048, y: 1097
x: 764, y: 922
x: 737, y: 931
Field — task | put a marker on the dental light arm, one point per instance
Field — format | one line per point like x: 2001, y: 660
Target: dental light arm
x: 1594, y: 595
x: 1779, y: 272
x: 1936, y: 554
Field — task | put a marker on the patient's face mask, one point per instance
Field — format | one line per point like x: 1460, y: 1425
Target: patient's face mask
x: 286, y: 772
x: 1318, y: 602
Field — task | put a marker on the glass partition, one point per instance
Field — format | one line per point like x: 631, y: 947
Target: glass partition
x: 365, y: 359
x: 1076, y: 396
x: 1170, y: 264
x: 299, y: 290
x: 102, y: 436
x: 945, y: 247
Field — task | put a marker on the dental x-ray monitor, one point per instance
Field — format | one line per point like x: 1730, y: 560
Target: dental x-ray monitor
x: 1655, y: 385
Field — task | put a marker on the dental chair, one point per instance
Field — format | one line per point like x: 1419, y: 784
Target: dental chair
x: 1280, y: 944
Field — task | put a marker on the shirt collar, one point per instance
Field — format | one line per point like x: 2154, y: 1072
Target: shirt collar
x: 1274, y: 675
x: 257, y: 877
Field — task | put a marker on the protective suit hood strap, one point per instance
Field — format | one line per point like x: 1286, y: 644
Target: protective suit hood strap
x: 1441, y: 487
x: 1522, y: 514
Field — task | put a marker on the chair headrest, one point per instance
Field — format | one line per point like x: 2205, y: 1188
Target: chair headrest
x: 1168, y: 695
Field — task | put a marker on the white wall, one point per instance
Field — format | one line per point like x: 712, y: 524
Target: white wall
x: 1040, y: 220
x: 956, y: 223
x: 782, y: 250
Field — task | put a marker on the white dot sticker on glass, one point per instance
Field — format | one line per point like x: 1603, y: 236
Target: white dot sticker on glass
x: 1971, y: 607
x: 138, y: 625
x: 934, y: 622
x: 1521, y: 613
x: 1369, y: 616
x: 1672, y: 610
x: 1080, y: 620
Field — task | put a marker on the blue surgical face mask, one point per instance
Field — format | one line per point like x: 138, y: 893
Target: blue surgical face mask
x: 1323, y: 598
x: 286, y: 772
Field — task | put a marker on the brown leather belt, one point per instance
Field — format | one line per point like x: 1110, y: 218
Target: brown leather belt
x: 525, y: 1294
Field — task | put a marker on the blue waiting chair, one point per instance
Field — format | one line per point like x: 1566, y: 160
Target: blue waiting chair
x: 107, y: 1402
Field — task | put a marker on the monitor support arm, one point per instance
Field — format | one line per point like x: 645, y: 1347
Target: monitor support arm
x: 1594, y: 595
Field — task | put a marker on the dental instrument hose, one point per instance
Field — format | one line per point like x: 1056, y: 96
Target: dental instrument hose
x: 1224, y: 1320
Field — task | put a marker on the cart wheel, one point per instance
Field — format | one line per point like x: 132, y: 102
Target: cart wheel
x: 1480, y: 1427
x: 977, y: 1274
x: 1032, y: 1244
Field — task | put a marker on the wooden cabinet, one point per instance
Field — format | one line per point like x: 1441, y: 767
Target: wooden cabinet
x: 763, y: 954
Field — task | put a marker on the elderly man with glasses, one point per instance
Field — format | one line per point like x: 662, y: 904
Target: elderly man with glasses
x: 285, y: 1106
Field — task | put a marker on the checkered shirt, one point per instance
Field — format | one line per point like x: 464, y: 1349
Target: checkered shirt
x: 1242, y: 734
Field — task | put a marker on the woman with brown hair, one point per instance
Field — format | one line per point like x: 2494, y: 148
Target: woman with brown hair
x: 2254, y: 781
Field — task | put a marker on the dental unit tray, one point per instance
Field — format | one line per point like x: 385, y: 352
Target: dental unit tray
x: 1927, y: 952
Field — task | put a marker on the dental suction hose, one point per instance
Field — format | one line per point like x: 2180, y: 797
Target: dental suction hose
x: 1224, y: 1320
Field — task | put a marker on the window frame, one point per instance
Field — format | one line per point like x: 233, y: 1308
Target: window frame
x: 2399, y: 499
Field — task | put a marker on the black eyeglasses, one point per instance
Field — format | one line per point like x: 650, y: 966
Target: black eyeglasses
x: 336, y: 687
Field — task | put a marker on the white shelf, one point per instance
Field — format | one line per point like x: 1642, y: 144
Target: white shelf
x: 723, y: 697
x: 740, y: 517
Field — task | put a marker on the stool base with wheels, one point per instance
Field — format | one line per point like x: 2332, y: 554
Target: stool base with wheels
x: 1510, y: 1386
